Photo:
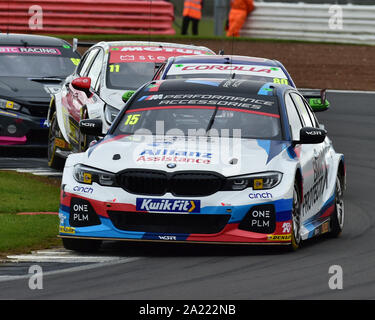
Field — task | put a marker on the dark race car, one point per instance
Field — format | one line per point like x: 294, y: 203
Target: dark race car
x: 32, y: 68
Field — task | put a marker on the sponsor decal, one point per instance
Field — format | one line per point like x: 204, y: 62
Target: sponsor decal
x: 87, y: 177
x: 87, y: 124
x: 83, y: 189
x: 320, y: 183
x: 266, y: 107
x: 62, y: 218
x: 151, y: 97
x: 30, y: 50
x: 168, y: 205
x: 148, y: 54
x: 279, y: 237
x: 260, y: 195
x: 260, y: 219
x: 64, y: 229
x: 204, y: 68
x: 9, y: 105
x: 82, y: 213
x: 167, y: 237
x: 314, y: 133
x: 173, y: 156
x: 258, y: 184
x: 325, y: 227
x: 287, y: 227
x: 173, y: 152
x: 60, y: 143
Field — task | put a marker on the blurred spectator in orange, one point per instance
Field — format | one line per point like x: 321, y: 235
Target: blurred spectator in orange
x: 239, y: 10
x: 192, y: 12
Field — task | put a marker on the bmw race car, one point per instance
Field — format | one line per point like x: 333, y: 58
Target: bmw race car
x: 236, y: 67
x: 108, y: 73
x: 31, y: 70
x: 205, y: 161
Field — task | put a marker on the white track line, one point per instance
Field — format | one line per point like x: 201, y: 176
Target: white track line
x: 73, y: 269
x: 60, y: 256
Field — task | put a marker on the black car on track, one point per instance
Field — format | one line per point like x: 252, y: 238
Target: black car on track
x: 32, y: 68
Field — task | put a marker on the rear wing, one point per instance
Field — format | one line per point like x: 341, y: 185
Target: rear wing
x: 77, y: 44
x: 316, y: 98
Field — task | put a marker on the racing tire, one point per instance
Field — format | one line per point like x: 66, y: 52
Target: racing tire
x: 81, y: 245
x: 85, y: 140
x: 54, y: 161
x: 296, y: 220
x: 337, y: 218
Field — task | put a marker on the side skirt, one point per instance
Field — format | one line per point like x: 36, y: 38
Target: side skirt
x: 315, y: 228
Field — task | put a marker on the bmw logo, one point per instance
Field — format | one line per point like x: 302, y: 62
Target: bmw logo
x: 171, y: 165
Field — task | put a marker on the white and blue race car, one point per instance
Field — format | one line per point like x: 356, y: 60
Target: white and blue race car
x: 205, y: 161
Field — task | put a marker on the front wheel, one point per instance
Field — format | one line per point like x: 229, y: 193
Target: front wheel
x: 296, y: 219
x: 337, y: 218
x: 54, y: 161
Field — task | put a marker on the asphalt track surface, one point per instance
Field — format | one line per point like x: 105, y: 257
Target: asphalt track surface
x: 149, y: 271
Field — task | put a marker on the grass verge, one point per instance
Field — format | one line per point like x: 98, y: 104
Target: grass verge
x: 21, y: 192
x: 19, y: 234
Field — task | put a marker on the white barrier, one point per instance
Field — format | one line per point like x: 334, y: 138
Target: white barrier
x: 312, y: 22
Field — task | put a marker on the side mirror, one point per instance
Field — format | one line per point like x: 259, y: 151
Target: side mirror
x: 309, y: 135
x: 91, y: 127
x: 83, y: 84
x: 127, y: 95
x: 319, y: 104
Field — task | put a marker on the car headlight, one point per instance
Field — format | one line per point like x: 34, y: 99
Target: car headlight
x: 9, y: 105
x: 110, y: 113
x: 257, y: 181
x: 87, y: 175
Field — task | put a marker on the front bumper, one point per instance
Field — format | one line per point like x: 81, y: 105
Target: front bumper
x: 18, y: 129
x: 89, y: 212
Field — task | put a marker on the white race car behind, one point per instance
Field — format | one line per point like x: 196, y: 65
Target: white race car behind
x: 106, y: 72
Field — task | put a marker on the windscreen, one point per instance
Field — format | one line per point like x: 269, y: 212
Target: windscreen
x: 129, y: 75
x: 184, y: 113
x: 131, y: 66
x: 16, y: 61
x: 234, y: 71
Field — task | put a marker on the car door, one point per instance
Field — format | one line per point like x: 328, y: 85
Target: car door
x: 70, y: 98
x: 315, y: 178
x: 304, y: 152
x: 93, y: 106
x: 85, y: 103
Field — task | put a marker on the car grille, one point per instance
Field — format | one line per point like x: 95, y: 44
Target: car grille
x: 168, y: 222
x: 152, y: 182
x: 37, y: 136
x: 37, y: 109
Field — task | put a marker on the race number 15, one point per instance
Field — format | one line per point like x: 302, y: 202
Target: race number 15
x: 132, y: 119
